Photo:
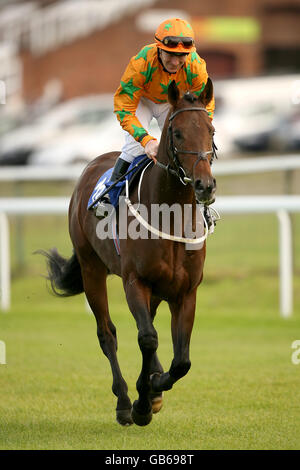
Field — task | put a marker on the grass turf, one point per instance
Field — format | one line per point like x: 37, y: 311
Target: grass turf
x: 242, y: 391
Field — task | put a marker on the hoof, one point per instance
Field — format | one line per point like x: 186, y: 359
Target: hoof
x: 139, y: 419
x: 124, y: 417
x: 157, y: 403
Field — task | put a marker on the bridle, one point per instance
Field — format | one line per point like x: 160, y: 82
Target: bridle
x: 173, y: 151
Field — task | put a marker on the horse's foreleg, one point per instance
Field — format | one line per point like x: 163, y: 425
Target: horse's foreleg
x: 94, y: 278
x: 182, y: 324
x: 156, y: 367
x: 138, y: 298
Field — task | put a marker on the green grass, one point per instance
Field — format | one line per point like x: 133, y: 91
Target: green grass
x: 242, y: 391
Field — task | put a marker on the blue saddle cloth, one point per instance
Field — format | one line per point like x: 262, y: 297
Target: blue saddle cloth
x: 104, y: 183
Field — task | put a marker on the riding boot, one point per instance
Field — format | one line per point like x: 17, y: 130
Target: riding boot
x: 119, y: 169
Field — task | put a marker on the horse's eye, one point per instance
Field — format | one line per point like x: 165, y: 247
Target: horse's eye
x: 177, y: 134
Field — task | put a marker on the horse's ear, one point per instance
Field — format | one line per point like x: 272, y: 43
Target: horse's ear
x: 173, y: 93
x: 207, y: 93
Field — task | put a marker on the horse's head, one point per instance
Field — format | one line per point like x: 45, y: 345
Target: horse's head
x: 190, y: 140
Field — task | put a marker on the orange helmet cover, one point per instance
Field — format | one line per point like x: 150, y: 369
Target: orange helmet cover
x: 174, y: 27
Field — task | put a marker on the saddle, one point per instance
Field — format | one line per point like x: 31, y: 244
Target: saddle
x: 97, y: 203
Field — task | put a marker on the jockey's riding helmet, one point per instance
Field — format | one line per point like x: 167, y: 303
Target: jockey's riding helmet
x: 175, y: 35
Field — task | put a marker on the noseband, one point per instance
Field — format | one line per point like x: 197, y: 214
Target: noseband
x: 173, y: 151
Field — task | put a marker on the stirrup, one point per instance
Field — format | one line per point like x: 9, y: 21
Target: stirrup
x: 102, y: 209
x: 211, y: 216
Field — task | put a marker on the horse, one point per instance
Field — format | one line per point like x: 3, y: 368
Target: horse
x: 153, y: 269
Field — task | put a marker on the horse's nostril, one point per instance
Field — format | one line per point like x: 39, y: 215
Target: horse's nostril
x: 211, y: 185
x: 199, y: 185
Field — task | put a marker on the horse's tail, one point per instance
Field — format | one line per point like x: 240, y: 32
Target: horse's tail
x: 64, y: 274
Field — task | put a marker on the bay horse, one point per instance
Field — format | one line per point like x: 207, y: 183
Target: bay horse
x: 152, y: 270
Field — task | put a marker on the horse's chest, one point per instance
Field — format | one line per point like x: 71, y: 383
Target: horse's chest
x: 181, y: 273
x: 174, y: 274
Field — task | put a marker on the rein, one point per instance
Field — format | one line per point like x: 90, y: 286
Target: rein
x: 159, y: 233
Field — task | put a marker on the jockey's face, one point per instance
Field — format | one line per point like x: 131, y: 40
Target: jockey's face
x: 172, y: 61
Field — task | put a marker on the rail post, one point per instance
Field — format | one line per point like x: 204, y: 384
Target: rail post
x: 4, y: 263
x: 285, y: 264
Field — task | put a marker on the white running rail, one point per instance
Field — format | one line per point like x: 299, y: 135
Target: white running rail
x: 229, y: 167
x: 280, y: 205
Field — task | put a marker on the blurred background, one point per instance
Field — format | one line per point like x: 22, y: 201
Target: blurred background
x: 61, y: 61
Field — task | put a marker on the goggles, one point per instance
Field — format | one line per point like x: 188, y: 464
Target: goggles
x: 173, y: 41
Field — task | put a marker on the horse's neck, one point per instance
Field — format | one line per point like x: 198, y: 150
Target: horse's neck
x: 165, y: 187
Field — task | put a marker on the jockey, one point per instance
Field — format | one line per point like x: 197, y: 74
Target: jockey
x: 143, y: 91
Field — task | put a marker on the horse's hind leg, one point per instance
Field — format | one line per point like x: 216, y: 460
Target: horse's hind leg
x: 94, y: 278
